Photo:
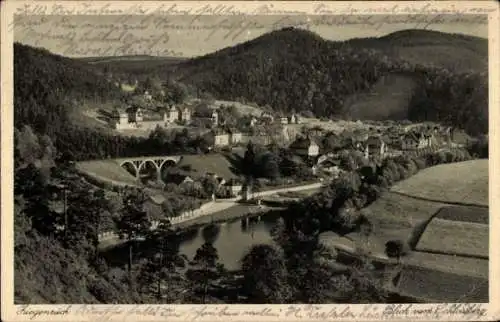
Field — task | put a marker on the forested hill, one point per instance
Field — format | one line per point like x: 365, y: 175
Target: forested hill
x: 456, y: 52
x: 293, y: 69
x: 48, y: 89
x: 46, y: 85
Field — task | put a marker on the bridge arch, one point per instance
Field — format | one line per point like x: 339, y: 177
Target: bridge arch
x: 144, y: 164
x: 129, y: 166
x: 138, y: 164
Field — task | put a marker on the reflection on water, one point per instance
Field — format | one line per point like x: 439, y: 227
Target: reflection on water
x: 231, y: 239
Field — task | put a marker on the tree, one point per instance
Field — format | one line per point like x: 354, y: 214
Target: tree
x: 134, y: 222
x: 248, y: 166
x: 175, y: 93
x: 265, y: 275
x: 28, y: 146
x: 205, y: 268
x: 210, y: 185
x: 160, y: 268
x: 395, y: 248
x: 269, y: 166
x: 85, y: 216
x: 248, y: 162
x: 32, y: 184
x: 279, y: 232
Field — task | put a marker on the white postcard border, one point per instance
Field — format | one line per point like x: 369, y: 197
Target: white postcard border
x: 237, y: 312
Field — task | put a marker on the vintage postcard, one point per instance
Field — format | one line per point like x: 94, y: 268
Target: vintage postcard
x: 250, y: 161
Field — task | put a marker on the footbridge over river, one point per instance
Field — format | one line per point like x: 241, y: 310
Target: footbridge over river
x: 139, y: 163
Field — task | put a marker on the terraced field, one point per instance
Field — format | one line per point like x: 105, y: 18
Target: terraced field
x: 466, y: 214
x: 398, y: 217
x: 434, y: 286
x: 455, y: 238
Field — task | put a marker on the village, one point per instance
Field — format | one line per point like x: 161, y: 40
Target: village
x: 310, y: 151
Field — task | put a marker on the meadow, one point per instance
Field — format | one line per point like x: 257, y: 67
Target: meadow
x: 389, y: 98
x: 433, y: 286
x: 463, y: 183
x: 397, y: 217
x: 107, y: 171
x: 455, y: 238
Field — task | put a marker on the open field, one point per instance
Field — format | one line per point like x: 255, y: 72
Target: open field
x: 455, y: 238
x: 211, y: 163
x: 460, y: 183
x: 401, y: 217
x: 387, y: 99
x: 464, y: 213
x: 107, y: 170
x: 475, y: 267
x: 440, y: 287
x: 396, y: 217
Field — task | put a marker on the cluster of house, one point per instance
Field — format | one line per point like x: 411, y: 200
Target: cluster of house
x: 378, y: 146
x: 225, y: 136
x: 293, y: 118
x: 136, y: 117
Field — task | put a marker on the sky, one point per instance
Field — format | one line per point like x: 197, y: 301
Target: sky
x: 189, y: 36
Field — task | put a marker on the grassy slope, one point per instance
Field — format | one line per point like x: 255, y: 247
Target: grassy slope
x: 387, y: 99
x: 396, y: 217
x: 461, y: 182
x: 106, y: 170
x: 433, y: 286
x: 213, y: 163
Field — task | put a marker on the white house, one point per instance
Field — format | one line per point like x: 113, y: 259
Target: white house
x: 215, y: 118
x: 375, y: 146
x: 414, y: 141
x: 185, y: 115
x: 235, y: 137
x: 120, y: 120
x: 172, y: 114
x: 305, y: 147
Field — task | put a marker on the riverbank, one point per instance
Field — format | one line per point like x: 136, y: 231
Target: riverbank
x: 237, y: 211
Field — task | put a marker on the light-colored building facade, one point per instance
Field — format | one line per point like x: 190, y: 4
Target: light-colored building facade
x: 375, y: 147
x: 221, y: 139
x: 305, y: 147
x: 185, y: 115
x: 172, y: 114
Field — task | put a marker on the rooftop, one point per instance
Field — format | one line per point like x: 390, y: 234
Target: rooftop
x: 302, y: 143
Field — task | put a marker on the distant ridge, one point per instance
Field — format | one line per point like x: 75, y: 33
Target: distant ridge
x: 296, y: 69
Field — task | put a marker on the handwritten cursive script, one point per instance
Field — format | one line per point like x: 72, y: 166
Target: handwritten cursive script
x: 90, y: 29
x: 459, y: 311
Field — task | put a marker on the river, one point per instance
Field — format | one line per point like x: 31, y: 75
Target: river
x: 232, y: 239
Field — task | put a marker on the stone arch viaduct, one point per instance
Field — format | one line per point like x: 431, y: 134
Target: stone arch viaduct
x: 139, y: 163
